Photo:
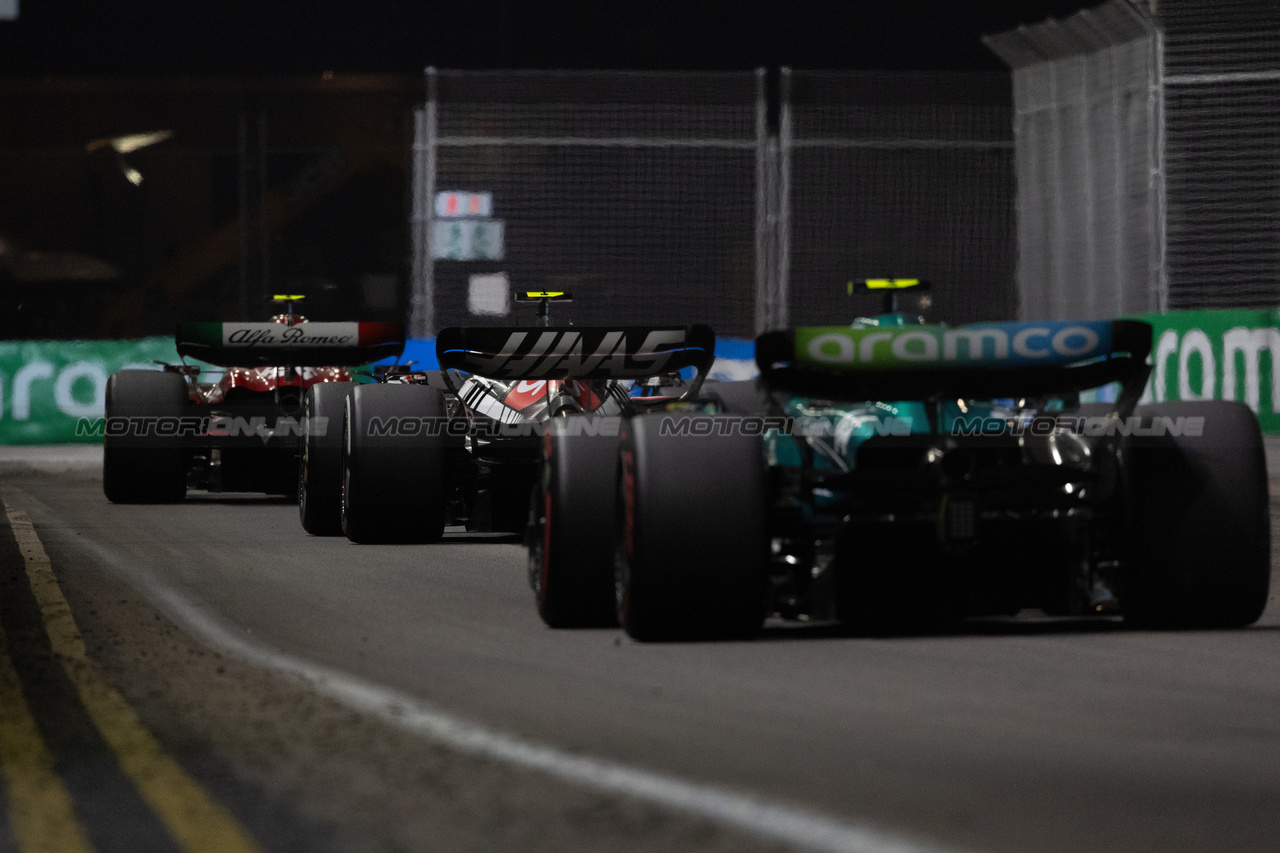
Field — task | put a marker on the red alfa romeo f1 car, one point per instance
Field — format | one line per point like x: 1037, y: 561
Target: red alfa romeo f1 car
x: 166, y: 431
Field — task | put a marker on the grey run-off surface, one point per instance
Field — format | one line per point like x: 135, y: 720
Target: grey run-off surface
x: 1040, y: 735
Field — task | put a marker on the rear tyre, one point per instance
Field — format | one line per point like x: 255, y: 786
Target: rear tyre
x: 571, y: 538
x: 320, y: 463
x: 141, y: 466
x: 1199, y: 549
x: 691, y: 558
x: 393, y: 474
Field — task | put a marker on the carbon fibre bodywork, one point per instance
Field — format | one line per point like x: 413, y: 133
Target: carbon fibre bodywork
x: 928, y: 505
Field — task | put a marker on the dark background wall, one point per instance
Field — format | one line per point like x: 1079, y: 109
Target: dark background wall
x: 274, y: 36
x: 291, y: 123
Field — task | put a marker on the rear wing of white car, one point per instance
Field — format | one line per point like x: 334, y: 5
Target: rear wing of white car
x: 576, y: 352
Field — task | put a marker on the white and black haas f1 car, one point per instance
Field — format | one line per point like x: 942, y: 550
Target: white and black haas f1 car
x: 900, y: 477
x: 463, y: 445
x: 166, y: 431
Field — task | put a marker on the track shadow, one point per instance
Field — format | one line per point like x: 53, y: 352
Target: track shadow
x: 239, y: 499
x: 483, y: 538
x: 983, y: 627
x: 1034, y: 626
x: 461, y: 537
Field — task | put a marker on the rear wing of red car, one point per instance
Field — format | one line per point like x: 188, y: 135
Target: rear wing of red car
x: 979, y: 361
x: 576, y: 352
x: 275, y: 344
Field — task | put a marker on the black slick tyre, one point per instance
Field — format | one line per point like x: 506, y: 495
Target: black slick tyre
x: 1198, y: 551
x: 141, y: 464
x: 393, y: 472
x: 320, y: 460
x: 571, y: 540
x: 691, y: 559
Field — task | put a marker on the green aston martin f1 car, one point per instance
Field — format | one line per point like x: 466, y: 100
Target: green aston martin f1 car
x: 896, y: 476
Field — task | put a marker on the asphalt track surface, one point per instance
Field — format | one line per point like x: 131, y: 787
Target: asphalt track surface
x: 1013, y: 735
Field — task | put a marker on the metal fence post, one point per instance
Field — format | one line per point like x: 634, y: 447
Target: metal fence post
x: 764, y: 262
x: 422, y: 298
x: 1156, y: 188
x: 1059, y: 259
x: 781, y: 302
x: 773, y: 191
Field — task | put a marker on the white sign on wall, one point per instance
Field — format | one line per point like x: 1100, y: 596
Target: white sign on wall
x: 489, y: 294
x: 467, y: 239
x: 464, y: 228
x: 455, y: 203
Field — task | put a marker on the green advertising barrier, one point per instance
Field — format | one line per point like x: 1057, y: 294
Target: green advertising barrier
x: 47, y: 387
x: 1217, y: 355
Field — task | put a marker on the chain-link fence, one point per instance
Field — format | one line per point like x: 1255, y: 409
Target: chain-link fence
x: 1148, y: 157
x: 743, y: 200
x: 1089, y: 208
x: 634, y: 192
x: 900, y: 175
x: 1222, y: 151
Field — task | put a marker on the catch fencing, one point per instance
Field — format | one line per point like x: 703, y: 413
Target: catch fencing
x: 905, y: 174
x: 1086, y: 106
x: 1221, y: 82
x: 742, y: 200
x: 1148, y: 157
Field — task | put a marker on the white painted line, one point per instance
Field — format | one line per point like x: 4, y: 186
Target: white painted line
x: 745, y: 812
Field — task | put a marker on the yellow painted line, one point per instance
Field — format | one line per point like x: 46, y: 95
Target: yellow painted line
x: 41, y: 813
x: 197, y: 822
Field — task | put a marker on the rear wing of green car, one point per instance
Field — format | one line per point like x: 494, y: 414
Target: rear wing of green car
x: 576, y: 352
x: 975, y: 361
x: 269, y: 344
